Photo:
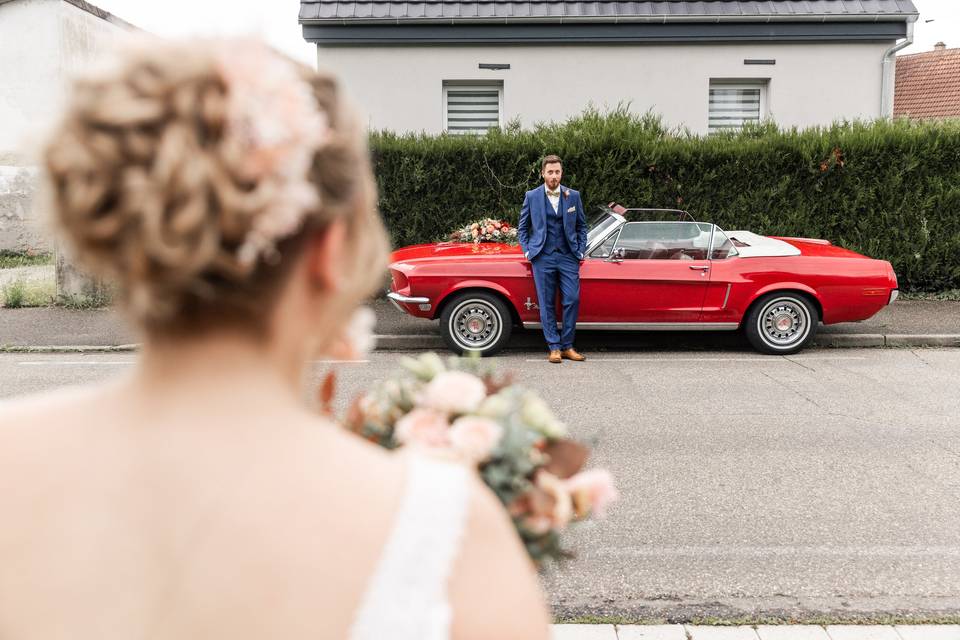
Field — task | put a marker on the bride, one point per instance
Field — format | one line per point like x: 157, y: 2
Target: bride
x: 228, y: 192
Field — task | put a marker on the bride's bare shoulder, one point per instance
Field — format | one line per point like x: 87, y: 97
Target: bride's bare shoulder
x: 42, y: 408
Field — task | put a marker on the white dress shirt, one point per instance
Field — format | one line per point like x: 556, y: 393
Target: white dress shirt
x: 554, y: 200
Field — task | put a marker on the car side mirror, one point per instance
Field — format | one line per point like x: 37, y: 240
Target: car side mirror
x: 616, y: 256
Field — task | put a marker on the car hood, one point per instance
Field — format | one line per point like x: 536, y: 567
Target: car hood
x: 441, y: 250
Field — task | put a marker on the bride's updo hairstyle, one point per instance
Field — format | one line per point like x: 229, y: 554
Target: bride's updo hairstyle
x: 191, y: 174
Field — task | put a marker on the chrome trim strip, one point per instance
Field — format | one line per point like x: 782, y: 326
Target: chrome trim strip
x: 647, y: 326
x: 396, y: 297
x: 726, y: 297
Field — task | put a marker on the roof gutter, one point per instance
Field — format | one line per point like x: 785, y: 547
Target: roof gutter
x: 910, y: 18
x: 886, y: 75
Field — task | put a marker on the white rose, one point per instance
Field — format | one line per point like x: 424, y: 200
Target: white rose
x: 474, y: 437
x: 453, y: 392
x: 423, y: 427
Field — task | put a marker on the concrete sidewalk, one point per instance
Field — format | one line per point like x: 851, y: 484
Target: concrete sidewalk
x: 906, y: 323
x: 761, y: 632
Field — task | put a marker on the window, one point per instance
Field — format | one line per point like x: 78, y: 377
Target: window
x: 664, y: 240
x: 722, y: 246
x: 734, y: 104
x: 605, y: 250
x: 472, y: 108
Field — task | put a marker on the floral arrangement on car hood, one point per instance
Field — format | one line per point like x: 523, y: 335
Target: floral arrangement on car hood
x: 486, y: 230
x: 523, y: 453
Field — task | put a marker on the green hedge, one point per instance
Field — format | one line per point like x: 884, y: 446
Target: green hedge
x: 890, y: 190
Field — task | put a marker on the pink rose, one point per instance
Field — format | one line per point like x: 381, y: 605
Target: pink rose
x: 490, y: 228
x: 424, y: 427
x: 474, y: 437
x: 453, y: 392
x: 593, y: 491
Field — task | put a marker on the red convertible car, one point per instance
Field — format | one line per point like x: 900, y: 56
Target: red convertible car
x: 649, y: 270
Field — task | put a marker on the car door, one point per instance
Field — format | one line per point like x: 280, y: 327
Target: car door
x: 650, y: 273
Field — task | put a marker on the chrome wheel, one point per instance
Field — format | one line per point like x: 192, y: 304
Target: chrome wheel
x: 475, y: 325
x: 783, y: 322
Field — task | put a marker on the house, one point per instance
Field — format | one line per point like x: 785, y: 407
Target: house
x: 464, y: 66
x: 41, y: 43
x: 928, y: 84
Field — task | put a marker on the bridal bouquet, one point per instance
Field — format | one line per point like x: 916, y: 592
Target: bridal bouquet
x: 486, y: 230
x: 522, y: 451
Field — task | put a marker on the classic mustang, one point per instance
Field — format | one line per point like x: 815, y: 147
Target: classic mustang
x: 649, y: 269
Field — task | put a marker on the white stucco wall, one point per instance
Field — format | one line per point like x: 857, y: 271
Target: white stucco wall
x: 400, y: 88
x: 41, y: 43
x: 29, y: 70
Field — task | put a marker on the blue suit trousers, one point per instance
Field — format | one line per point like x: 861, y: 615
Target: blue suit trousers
x: 549, y: 270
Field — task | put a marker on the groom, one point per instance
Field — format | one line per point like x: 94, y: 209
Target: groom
x: 553, y: 235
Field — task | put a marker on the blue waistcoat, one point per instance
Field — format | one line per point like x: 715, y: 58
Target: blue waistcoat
x: 554, y: 241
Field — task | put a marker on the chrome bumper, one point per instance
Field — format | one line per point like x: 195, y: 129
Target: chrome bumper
x: 397, y: 299
x: 894, y: 295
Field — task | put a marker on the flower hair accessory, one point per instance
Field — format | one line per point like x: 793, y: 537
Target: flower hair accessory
x: 273, y: 121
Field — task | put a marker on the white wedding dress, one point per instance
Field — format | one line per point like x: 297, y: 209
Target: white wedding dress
x: 406, y: 598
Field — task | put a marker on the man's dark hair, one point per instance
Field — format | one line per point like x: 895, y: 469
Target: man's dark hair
x: 551, y: 159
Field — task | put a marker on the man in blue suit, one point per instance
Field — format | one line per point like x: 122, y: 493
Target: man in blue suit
x: 553, y: 235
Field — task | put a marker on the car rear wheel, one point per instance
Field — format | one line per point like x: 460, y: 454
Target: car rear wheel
x: 781, y: 323
x: 476, y: 321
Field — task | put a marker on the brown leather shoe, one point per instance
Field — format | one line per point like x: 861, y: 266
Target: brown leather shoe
x: 571, y: 354
x: 555, y: 357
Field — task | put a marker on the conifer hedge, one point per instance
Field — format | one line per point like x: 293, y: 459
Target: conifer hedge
x: 890, y: 190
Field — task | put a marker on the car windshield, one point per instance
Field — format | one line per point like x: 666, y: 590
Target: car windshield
x: 602, y: 223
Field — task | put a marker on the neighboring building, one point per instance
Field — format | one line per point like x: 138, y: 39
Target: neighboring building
x: 41, y: 43
x: 465, y: 66
x: 928, y: 84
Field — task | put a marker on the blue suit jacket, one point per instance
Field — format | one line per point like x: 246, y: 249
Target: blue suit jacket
x: 532, y: 230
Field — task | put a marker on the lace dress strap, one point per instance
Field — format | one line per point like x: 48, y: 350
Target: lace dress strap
x: 407, y: 595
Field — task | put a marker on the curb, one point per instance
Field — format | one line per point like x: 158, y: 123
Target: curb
x: 424, y: 342
x: 120, y: 348
x: 752, y: 632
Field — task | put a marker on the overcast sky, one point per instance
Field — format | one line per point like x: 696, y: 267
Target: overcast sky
x: 276, y: 20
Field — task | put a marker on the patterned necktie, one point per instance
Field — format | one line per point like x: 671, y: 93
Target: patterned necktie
x: 554, y: 194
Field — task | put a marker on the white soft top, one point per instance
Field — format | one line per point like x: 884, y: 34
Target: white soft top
x: 761, y: 246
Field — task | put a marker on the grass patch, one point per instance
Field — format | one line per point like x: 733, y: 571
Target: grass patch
x: 949, y: 294
x: 18, y: 294
x: 14, y: 259
x: 83, y: 302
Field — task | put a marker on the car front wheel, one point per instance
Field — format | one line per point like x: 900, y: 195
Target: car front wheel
x: 476, y: 321
x: 781, y: 323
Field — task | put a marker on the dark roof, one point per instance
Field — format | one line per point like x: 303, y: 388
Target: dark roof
x: 396, y: 11
x: 928, y: 85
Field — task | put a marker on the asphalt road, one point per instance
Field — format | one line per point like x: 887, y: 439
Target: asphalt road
x: 824, y: 484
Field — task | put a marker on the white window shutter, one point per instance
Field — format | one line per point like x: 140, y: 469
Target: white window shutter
x: 472, y: 109
x: 733, y: 105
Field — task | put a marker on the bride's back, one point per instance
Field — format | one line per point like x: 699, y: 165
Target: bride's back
x: 228, y: 193
x: 127, y: 521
